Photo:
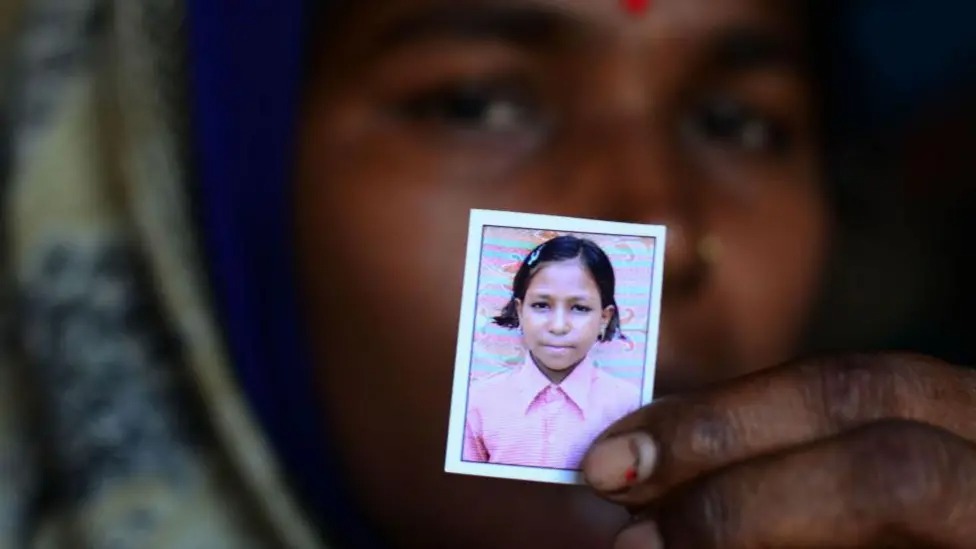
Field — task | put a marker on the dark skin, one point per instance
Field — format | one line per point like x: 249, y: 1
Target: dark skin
x: 700, y: 116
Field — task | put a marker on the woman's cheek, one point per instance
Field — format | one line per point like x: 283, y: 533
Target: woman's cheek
x: 768, y: 274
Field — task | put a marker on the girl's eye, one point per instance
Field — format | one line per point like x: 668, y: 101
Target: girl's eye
x: 732, y: 124
x: 582, y: 308
x: 540, y: 305
x: 486, y: 108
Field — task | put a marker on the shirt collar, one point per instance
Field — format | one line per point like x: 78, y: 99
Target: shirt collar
x: 531, y: 382
x: 577, y: 384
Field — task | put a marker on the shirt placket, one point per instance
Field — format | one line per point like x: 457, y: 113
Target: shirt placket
x: 552, y: 400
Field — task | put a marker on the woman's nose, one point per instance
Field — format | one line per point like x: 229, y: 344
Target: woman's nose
x: 627, y: 169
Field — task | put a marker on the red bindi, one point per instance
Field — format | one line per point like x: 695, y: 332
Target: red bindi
x: 636, y: 7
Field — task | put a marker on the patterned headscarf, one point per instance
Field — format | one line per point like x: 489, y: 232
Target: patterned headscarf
x: 122, y: 420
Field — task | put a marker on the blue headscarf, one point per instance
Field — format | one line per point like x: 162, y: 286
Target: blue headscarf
x: 246, y: 72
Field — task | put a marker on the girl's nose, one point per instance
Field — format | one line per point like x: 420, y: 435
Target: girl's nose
x: 559, y: 323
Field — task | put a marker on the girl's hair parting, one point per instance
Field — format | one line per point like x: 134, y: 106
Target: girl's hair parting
x: 564, y: 248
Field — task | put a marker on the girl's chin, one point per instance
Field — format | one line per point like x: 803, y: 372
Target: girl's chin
x: 558, y: 366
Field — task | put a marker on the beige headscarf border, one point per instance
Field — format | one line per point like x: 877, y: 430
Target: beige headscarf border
x: 110, y: 164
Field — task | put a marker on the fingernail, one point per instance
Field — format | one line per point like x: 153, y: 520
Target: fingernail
x: 643, y: 535
x: 618, y: 462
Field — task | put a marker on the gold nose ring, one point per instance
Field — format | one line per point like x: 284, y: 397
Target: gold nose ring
x: 709, y: 249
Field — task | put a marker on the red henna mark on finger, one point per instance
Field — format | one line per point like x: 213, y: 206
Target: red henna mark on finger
x: 630, y: 475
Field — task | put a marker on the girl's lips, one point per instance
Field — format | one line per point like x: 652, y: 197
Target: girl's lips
x: 558, y: 349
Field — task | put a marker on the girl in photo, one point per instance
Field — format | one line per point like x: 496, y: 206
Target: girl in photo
x: 546, y: 411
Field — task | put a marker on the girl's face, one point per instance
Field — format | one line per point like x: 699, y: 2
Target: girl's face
x: 697, y: 115
x: 561, y: 315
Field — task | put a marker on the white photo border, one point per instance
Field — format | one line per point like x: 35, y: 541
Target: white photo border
x: 479, y: 221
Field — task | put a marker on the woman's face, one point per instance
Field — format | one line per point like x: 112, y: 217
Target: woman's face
x: 561, y: 315
x: 697, y: 115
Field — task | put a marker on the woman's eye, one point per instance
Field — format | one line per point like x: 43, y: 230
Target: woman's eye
x: 540, y: 306
x: 497, y: 109
x: 732, y: 124
x: 582, y: 308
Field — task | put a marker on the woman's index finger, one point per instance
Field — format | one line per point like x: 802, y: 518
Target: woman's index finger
x: 773, y: 410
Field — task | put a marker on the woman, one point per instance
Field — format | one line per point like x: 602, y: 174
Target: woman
x: 698, y: 116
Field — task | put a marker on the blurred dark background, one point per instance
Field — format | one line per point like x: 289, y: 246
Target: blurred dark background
x: 901, y: 99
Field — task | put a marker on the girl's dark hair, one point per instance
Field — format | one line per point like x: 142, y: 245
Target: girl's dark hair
x: 564, y: 248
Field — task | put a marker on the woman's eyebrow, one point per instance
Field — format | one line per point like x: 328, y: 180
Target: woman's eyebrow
x: 749, y: 48
x: 522, y: 25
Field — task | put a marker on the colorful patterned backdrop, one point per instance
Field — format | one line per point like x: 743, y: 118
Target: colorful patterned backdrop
x: 503, y: 249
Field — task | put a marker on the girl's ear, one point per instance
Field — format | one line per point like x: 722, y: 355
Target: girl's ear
x: 606, y: 316
x: 518, y: 309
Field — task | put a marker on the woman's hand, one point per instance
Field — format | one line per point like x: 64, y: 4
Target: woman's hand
x: 855, y: 451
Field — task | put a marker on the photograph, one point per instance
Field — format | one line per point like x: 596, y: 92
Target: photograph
x: 557, y: 340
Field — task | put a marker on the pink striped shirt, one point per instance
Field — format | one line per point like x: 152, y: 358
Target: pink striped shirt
x: 521, y: 418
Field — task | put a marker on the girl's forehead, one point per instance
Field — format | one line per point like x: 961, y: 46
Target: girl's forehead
x: 561, y: 273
